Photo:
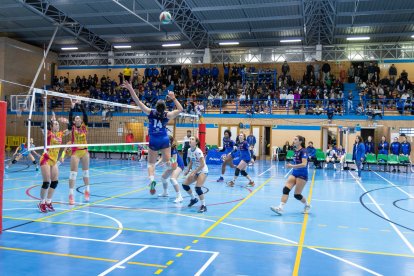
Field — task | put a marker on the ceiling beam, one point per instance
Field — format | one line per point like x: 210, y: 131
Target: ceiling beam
x: 270, y: 39
x: 262, y: 30
x: 251, y: 19
x: 377, y: 12
x: 246, y: 7
x: 376, y: 35
x: 138, y: 35
x: 376, y: 24
x: 19, y: 18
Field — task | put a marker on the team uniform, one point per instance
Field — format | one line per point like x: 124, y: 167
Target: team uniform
x: 157, y: 130
x: 229, y: 144
x: 180, y: 161
x: 301, y: 173
x: 195, y: 156
x: 50, y: 157
x: 79, y: 137
x: 23, y: 150
x: 244, y: 150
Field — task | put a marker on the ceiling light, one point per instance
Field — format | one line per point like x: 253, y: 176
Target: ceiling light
x: 358, y: 38
x: 171, y: 45
x: 290, y: 40
x: 122, y: 46
x: 412, y: 36
x: 229, y: 43
x: 69, y: 48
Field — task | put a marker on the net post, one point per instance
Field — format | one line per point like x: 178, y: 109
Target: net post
x: 202, y: 134
x: 3, y: 114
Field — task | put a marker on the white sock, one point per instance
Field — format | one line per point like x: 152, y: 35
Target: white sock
x: 281, y: 205
x: 49, y: 200
x: 203, y: 202
x: 174, y: 182
x: 192, y: 195
x: 151, y: 177
x: 71, y: 191
x: 222, y: 175
x: 179, y: 194
x: 87, y: 188
x: 43, y: 201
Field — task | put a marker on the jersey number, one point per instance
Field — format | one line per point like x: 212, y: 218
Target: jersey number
x: 157, y: 124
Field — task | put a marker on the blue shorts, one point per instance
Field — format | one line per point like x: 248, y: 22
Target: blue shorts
x: 300, y: 175
x: 24, y: 153
x: 233, y: 154
x: 159, y: 142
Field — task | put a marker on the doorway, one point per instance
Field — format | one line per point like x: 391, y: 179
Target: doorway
x: 329, y: 137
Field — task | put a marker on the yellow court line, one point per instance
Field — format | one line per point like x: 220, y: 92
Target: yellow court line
x: 146, y: 264
x: 170, y: 262
x: 234, y: 208
x: 158, y: 271
x: 58, y: 254
x: 228, y: 239
x: 302, y: 234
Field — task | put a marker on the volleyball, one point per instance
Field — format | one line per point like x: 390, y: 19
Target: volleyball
x: 165, y: 17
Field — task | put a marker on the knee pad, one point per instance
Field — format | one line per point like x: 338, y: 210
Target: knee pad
x: 286, y: 190
x: 45, y: 185
x: 186, y: 187
x: 298, y: 196
x: 244, y: 173
x: 53, y: 184
x: 237, y: 172
x: 73, y: 175
x: 85, y: 173
x: 14, y: 161
x: 199, y: 191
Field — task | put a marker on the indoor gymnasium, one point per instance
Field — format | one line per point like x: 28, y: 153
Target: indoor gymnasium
x: 195, y: 137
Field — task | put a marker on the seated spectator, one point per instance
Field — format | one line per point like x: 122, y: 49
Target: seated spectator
x: 331, y: 156
x: 312, y: 155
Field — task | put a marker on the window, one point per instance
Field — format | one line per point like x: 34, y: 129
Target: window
x: 407, y: 131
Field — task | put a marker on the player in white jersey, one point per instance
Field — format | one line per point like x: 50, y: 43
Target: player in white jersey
x: 197, y: 175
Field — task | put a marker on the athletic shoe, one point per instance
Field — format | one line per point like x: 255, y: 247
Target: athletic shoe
x: 334, y: 166
x: 251, y: 184
x: 152, y: 187
x: 178, y: 199
x: 221, y: 179
x: 42, y: 207
x: 192, y: 202
x: 306, y: 209
x: 37, y: 168
x: 71, y: 200
x: 230, y: 183
x: 7, y: 167
x: 164, y: 194
x: 326, y: 165
x: 278, y: 210
x: 202, y: 209
x: 87, y: 195
x: 49, y: 207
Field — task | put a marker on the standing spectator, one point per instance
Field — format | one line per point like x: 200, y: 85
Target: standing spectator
x: 226, y: 72
x: 316, y: 70
x: 406, y: 149
x: 358, y: 154
x: 404, y: 76
x: 395, y: 148
x: 121, y: 77
x: 127, y: 74
x: 135, y: 77
x: 392, y: 72
x: 285, y: 68
x: 369, y: 146
x: 383, y: 148
x: 326, y: 69
x: 186, y: 146
x: 351, y: 74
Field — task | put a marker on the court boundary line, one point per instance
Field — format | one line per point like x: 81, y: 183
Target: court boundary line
x: 401, y: 235
x: 123, y: 261
x: 396, y: 186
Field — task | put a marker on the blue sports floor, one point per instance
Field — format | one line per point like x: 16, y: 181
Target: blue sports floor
x: 354, y: 228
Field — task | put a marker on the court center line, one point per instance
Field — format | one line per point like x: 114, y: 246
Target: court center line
x: 234, y: 208
x: 401, y: 235
x: 303, y: 231
x: 123, y: 261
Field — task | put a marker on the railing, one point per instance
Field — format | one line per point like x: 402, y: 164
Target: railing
x: 268, y: 106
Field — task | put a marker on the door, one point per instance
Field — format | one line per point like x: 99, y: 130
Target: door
x: 258, y: 148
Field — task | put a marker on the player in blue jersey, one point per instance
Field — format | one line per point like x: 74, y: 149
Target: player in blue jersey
x: 406, y: 149
x: 298, y: 178
x: 228, y: 144
x: 157, y: 130
x: 245, y: 157
x: 177, y: 166
x: 23, y: 151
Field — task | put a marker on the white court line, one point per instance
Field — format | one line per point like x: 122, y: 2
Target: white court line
x: 341, y: 201
x: 267, y: 170
x: 111, y: 242
x: 122, y: 262
x: 403, y: 238
x: 204, y: 267
x: 120, y: 226
x: 286, y: 175
x: 392, y: 184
